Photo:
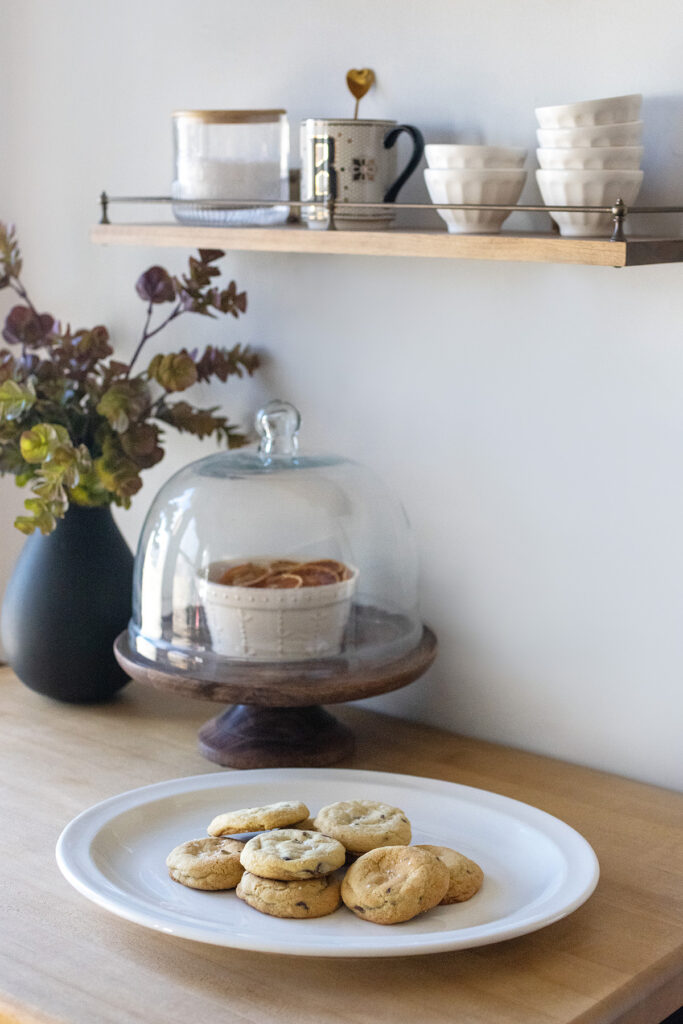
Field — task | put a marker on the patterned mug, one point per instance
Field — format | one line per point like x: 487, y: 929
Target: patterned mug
x: 353, y: 160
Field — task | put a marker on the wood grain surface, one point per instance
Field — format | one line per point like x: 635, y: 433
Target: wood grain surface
x: 62, y: 959
x: 526, y: 248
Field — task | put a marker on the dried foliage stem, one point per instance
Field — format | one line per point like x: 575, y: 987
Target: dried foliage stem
x: 143, y: 339
x: 147, y: 334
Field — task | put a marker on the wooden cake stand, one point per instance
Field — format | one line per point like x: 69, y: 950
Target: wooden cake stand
x: 276, y: 719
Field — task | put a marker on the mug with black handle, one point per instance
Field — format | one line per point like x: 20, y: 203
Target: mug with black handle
x: 353, y: 161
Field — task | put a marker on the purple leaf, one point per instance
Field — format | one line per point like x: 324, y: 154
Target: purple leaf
x: 156, y: 285
x: 24, y: 327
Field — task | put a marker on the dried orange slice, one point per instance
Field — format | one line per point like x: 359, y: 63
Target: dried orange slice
x: 328, y: 563
x: 249, y: 574
x: 286, y: 574
x: 282, y: 581
x: 315, y: 576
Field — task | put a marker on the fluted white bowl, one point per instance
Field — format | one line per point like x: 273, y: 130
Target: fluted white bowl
x: 610, y: 110
x: 587, y: 188
x: 628, y: 133
x: 441, y: 156
x: 470, y: 185
x: 590, y: 158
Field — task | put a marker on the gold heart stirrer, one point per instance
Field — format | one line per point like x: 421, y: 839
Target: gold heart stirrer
x: 359, y: 82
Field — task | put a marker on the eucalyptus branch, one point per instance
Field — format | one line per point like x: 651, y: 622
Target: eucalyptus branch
x: 146, y: 335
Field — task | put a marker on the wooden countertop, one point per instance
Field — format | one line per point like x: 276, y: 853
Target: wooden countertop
x: 619, y: 957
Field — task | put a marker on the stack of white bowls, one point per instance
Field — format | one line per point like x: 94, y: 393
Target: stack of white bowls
x: 474, y: 174
x: 589, y: 156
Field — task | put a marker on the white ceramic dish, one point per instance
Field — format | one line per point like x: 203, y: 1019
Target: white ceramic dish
x: 459, y: 185
x: 611, y: 110
x: 537, y: 869
x: 590, y: 158
x: 275, y: 625
x: 627, y: 134
x: 442, y: 156
x: 587, y: 188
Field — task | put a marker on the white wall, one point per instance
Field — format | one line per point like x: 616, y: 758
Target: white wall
x: 530, y: 416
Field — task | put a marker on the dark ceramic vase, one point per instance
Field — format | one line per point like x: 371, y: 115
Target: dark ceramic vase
x: 67, y: 599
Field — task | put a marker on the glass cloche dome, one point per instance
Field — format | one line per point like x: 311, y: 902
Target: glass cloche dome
x: 276, y: 557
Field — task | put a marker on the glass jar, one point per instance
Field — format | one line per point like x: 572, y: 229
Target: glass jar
x: 274, y: 556
x: 230, y: 154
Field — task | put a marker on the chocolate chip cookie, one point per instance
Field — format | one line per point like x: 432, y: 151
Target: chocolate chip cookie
x: 394, y: 883
x: 312, y: 897
x: 362, y: 825
x: 466, y: 877
x: 207, y: 863
x: 288, y: 853
x: 258, y: 819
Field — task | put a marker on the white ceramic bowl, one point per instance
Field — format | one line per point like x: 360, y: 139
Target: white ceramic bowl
x: 469, y: 185
x: 587, y: 188
x: 275, y: 625
x: 591, y: 158
x: 611, y: 110
x: 628, y: 133
x: 441, y: 156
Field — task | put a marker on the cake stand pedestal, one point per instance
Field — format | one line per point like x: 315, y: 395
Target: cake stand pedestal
x: 276, y: 719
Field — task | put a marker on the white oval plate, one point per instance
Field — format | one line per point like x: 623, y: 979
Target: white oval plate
x: 537, y: 869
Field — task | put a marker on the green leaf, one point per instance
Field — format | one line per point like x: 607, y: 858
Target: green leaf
x: 61, y: 465
x: 117, y: 473
x: 41, y: 443
x: 10, y: 257
x: 15, y: 399
x: 124, y: 402
x: 175, y: 372
x: 89, y: 492
x: 12, y: 462
x: 42, y: 519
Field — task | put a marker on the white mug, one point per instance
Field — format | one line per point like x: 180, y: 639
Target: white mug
x: 353, y: 160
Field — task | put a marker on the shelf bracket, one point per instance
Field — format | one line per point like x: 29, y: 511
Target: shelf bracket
x: 104, y: 203
x: 619, y: 211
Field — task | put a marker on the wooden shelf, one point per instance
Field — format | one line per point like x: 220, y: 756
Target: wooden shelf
x: 524, y: 248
